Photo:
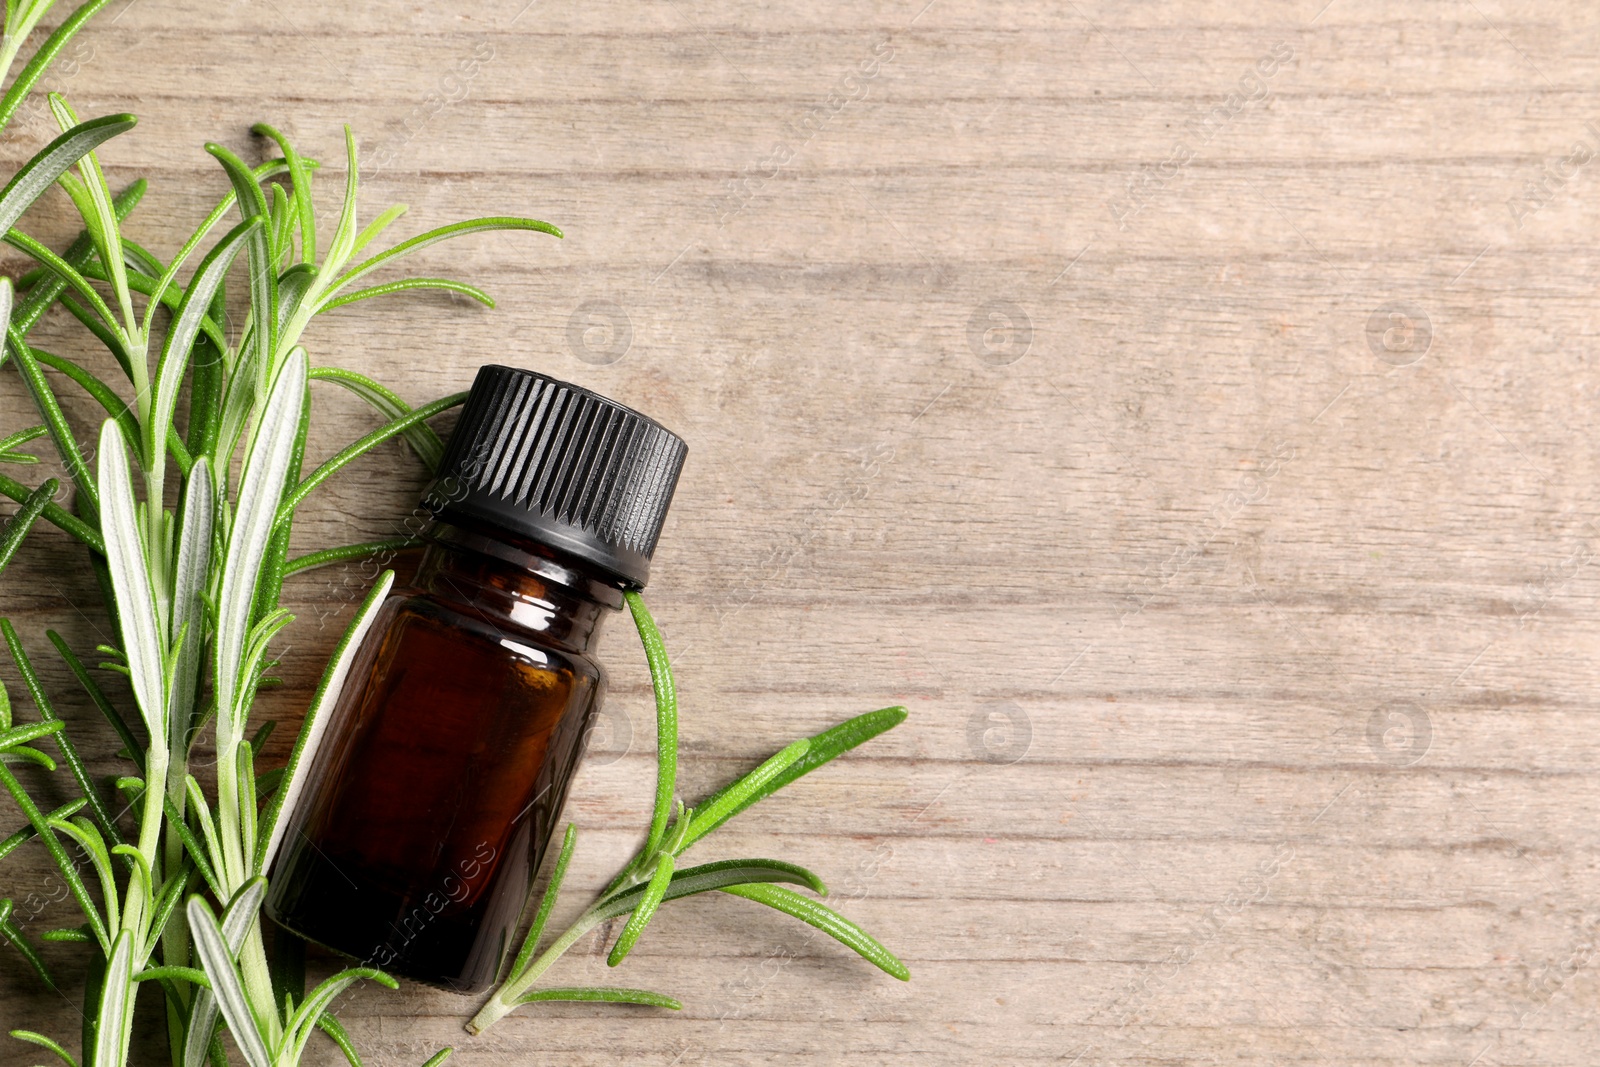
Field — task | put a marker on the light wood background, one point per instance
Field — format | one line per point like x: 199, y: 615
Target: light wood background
x: 1220, y: 498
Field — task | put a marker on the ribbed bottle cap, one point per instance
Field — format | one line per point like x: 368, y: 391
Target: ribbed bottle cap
x: 563, y: 466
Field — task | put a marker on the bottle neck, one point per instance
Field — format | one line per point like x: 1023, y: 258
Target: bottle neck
x: 513, y: 581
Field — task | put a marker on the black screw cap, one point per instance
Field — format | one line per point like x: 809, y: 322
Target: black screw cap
x: 561, y: 465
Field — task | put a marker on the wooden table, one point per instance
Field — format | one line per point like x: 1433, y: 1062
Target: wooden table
x: 1181, y: 408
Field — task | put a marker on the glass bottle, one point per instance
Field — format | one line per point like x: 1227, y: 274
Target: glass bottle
x: 445, y: 763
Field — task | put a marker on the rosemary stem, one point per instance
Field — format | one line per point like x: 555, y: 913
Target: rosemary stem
x: 258, y: 982
x: 175, y: 936
x: 106, y: 1010
x: 139, y: 375
x: 637, y: 871
x: 253, y: 953
x: 233, y: 872
x: 176, y: 776
x: 505, y: 999
x: 8, y: 53
x: 150, y: 824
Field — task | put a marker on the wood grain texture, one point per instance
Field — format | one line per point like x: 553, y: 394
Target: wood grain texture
x: 1039, y: 372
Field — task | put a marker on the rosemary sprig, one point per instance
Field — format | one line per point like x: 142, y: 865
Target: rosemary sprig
x: 653, y: 876
x: 197, y: 585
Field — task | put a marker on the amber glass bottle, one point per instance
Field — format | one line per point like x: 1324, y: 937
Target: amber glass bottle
x: 445, y: 764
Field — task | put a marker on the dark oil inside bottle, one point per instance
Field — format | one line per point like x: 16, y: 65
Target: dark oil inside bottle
x: 446, y: 762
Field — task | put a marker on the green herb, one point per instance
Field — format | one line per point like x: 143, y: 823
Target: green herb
x: 194, y: 591
x: 653, y: 876
x: 170, y: 895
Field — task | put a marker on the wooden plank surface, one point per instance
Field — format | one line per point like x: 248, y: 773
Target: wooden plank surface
x: 1184, y: 408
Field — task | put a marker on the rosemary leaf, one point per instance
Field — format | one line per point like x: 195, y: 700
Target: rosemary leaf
x: 182, y: 974
x: 263, y: 266
x: 300, y: 179
x: 112, y: 1019
x: 22, y: 522
x: 22, y: 437
x: 83, y: 832
x: 269, y: 586
x: 181, y: 336
x: 332, y: 1027
x: 373, y: 229
x: 825, y: 919
x: 130, y: 576
x: 292, y: 288
x: 41, y: 172
x: 137, y: 256
x: 69, y: 751
x: 708, y: 876
x: 547, y: 902
x: 602, y: 994
x: 421, y: 437
x: 192, y: 845
x: 166, y: 905
x: 316, y: 720
x: 103, y: 394
x: 442, y: 233
x: 12, y: 933
x: 266, y: 466
x: 190, y: 576
x: 27, y: 833
x: 217, y: 957
x: 741, y: 793
x: 45, y: 291
x: 27, y: 754
x: 237, y: 919
x: 107, y: 335
x: 354, y: 451
x: 825, y: 746
x: 46, y: 1043
x: 405, y: 285
x: 21, y: 735
x: 344, y: 234
x: 344, y: 553
x: 102, y: 217
x: 74, y: 279
x: 58, y: 516
x: 98, y: 697
x: 666, y: 694
x: 644, y: 910
x: 44, y: 56
x: 299, y: 1028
